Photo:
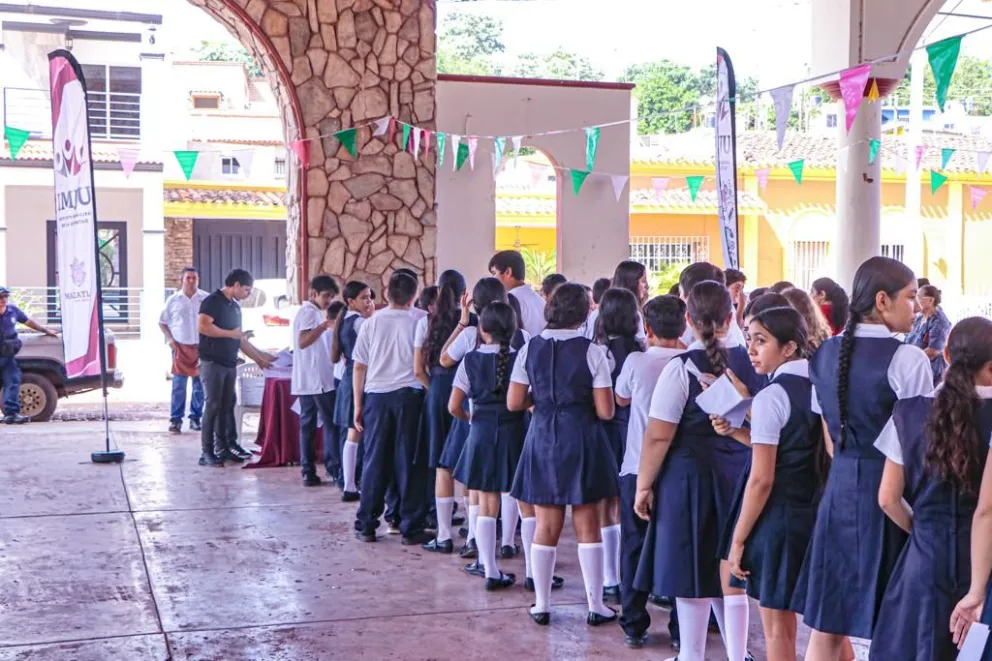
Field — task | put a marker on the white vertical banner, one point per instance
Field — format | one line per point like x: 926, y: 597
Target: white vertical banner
x: 726, y: 157
x: 75, y: 219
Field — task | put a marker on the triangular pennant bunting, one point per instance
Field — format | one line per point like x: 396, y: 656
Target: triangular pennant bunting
x: 347, y: 140
x: 852, y: 90
x: 517, y: 139
x: 473, y: 145
x: 873, y: 94
x: 592, y: 146
x: 921, y: 151
x: 128, y: 159
x: 406, y: 137
x: 16, y: 139
x: 245, y: 158
x: 762, y: 177
x: 499, y: 146
x: 900, y: 166
x: 797, y: 169
x: 936, y: 181
x: 873, y: 147
x: 302, y: 150
x: 619, y: 181
x: 462, y: 156
x: 945, y: 157
x: 782, y: 99
x: 983, y: 160
x: 456, y: 151
x: 977, y: 195
x: 578, y: 178
x: 415, y: 143
x: 392, y: 129
x: 442, y: 139
x: 187, y: 161
x: 660, y: 185
x: 943, y: 57
x: 694, y: 184
x: 381, y: 126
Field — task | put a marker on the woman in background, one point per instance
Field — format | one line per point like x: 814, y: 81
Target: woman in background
x: 930, y: 329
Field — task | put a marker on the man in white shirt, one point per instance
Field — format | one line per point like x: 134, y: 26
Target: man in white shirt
x: 508, y: 266
x: 313, y: 375
x: 179, y: 325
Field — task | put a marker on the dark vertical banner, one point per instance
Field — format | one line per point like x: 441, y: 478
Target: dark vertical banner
x: 77, y: 250
x: 726, y: 157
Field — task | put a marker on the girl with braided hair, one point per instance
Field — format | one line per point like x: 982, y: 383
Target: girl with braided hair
x: 857, y: 378
x: 688, y: 474
x: 936, y: 449
x: 489, y: 459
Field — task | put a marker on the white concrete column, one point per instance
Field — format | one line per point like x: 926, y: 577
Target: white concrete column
x: 859, y: 193
x: 154, y: 120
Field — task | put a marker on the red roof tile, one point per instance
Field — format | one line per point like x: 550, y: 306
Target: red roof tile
x: 672, y: 198
x: 41, y: 150
x: 255, y: 198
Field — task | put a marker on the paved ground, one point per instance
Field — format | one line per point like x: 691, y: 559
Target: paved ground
x: 160, y: 557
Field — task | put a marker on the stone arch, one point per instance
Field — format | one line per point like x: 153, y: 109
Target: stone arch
x: 338, y: 64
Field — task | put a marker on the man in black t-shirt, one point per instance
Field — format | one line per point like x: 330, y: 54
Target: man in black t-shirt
x: 221, y: 338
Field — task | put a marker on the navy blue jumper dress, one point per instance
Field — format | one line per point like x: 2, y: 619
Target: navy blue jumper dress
x: 567, y: 459
x: 854, y: 545
x: 496, y: 437
x: 933, y: 572
x: 616, y: 429
x: 344, y: 402
x: 437, y: 420
x: 693, y: 495
x: 776, y: 547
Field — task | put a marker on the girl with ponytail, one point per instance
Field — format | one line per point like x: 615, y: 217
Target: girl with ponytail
x: 833, y: 302
x: 489, y: 459
x: 858, y: 377
x: 633, y: 277
x: 687, y: 477
x: 936, y: 449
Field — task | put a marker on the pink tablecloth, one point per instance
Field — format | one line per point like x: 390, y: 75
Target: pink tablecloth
x: 279, y: 428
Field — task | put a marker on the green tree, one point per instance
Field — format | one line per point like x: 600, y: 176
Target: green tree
x: 971, y: 85
x: 559, y: 65
x: 226, y: 51
x: 467, y: 44
x: 666, y: 94
x: 538, y: 265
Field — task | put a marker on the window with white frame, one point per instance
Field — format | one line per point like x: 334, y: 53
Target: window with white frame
x: 114, y: 101
x: 894, y: 251
x: 229, y: 166
x: 809, y: 262
x: 279, y: 168
x: 832, y: 121
x: 659, y: 252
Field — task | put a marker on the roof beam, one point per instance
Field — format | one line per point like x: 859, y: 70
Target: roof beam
x: 70, y: 12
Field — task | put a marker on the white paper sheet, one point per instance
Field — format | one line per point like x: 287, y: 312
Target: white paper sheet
x: 295, y: 408
x: 282, y: 366
x: 974, y: 643
x: 722, y: 399
x: 691, y: 368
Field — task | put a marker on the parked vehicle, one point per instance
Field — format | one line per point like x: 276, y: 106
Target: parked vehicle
x: 42, y: 361
x: 269, y: 315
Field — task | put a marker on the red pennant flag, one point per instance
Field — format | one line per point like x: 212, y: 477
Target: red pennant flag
x: 302, y: 150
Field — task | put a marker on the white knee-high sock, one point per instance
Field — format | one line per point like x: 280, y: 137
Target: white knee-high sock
x: 510, y: 513
x: 694, y: 620
x: 444, y: 509
x: 736, y: 613
x: 349, y: 465
x: 473, y: 516
x: 528, y: 527
x: 485, y: 538
x: 717, y: 605
x: 591, y: 563
x: 611, y: 555
x: 543, y: 562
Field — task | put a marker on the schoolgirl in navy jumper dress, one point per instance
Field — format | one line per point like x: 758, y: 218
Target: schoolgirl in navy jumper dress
x: 617, y: 327
x: 357, y: 298
x: 688, y: 473
x: 857, y: 379
x: 489, y: 459
x: 936, y: 450
x: 566, y: 458
x: 775, y: 505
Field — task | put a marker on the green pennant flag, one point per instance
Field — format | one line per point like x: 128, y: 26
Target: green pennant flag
x: 797, y: 169
x: 347, y: 138
x: 499, y: 147
x: 16, y: 139
x: 936, y: 181
x: 592, y: 146
x: 873, y: 147
x: 694, y: 184
x: 442, y: 140
x: 462, y: 155
x: 578, y: 178
x: 943, y: 57
x: 187, y: 161
x: 406, y: 136
x: 945, y: 157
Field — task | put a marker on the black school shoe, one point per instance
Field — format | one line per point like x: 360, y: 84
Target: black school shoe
x: 365, y: 536
x: 350, y: 497
x: 417, y: 538
x: 663, y: 602
x: 469, y: 550
x: 635, y: 641
x: 476, y: 569
x: 446, y: 547
x: 611, y: 592
x: 194, y: 425
x: 504, y: 581
x: 542, y: 619
x: 595, y: 619
x: 210, y: 459
x: 175, y: 427
x: 240, y: 451
x: 507, y: 551
x: 557, y: 583
x: 311, y: 480
x: 457, y: 520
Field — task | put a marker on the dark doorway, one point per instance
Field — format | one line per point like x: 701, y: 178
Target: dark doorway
x: 219, y: 245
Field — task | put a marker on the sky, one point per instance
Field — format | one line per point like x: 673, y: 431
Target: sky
x: 767, y: 39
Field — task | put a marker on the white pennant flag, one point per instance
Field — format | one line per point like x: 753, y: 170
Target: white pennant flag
x: 416, y: 143
x: 619, y: 181
x: 983, y: 161
x: 517, y: 139
x: 782, y: 98
x: 455, y: 139
x: 473, y: 144
x: 381, y: 126
x: 245, y: 159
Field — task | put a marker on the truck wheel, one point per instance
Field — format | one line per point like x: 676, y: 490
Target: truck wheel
x: 38, y: 397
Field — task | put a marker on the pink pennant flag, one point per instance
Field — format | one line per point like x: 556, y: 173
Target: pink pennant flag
x: 921, y: 151
x: 425, y: 136
x: 473, y: 144
x: 983, y: 161
x: 128, y: 158
x: 762, y: 177
x: 302, y: 150
x: 852, y: 90
x: 977, y: 195
x: 619, y: 181
x: 660, y: 185
x: 415, y: 143
x: 536, y: 174
x: 381, y: 126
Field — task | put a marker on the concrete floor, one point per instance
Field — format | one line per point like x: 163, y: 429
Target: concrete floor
x: 161, y: 557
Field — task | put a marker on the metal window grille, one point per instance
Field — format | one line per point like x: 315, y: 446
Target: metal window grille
x: 895, y: 251
x: 658, y: 252
x: 279, y: 168
x: 230, y: 166
x: 809, y: 262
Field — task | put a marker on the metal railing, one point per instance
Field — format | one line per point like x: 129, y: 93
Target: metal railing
x: 121, y: 307
x: 658, y: 252
x: 113, y: 115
